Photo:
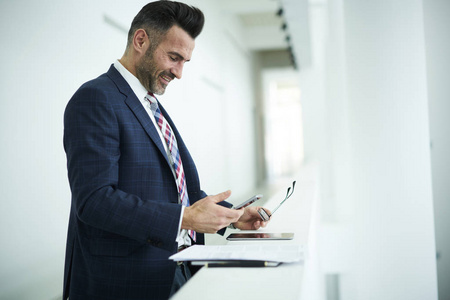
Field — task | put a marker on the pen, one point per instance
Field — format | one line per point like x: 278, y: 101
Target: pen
x: 241, y: 264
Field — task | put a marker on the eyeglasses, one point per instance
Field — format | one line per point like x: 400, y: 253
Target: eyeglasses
x: 263, y: 213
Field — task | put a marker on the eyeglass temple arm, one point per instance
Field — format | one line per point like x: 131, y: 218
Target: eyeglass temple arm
x: 287, y: 197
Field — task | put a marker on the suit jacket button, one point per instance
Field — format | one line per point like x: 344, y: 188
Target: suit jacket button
x: 149, y: 241
x: 159, y: 244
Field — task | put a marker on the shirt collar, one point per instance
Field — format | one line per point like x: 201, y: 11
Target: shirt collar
x: 134, y: 83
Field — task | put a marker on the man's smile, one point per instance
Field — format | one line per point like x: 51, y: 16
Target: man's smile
x: 165, y: 79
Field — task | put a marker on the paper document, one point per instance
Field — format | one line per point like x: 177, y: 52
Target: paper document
x: 273, y: 253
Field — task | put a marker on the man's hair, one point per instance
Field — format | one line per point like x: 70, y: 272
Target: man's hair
x: 156, y: 18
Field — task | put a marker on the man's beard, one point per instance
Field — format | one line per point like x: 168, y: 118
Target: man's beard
x: 146, y: 72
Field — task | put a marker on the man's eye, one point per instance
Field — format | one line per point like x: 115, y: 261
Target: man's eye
x: 172, y: 58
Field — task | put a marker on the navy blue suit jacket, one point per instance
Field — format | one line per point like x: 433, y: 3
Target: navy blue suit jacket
x: 125, y: 213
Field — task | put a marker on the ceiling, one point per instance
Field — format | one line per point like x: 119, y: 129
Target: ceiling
x: 262, y: 25
x: 274, y: 25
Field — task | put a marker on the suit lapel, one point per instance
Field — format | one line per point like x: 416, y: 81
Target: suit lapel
x: 138, y: 110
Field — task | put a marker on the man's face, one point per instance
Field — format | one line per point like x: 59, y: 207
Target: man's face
x: 157, y: 68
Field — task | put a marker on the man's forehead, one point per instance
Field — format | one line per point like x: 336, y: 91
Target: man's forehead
x: 178, y: 42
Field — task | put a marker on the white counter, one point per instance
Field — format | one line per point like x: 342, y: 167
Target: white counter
x: 287, y: 281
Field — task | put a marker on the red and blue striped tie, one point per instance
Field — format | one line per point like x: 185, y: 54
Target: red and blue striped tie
x: 171, y: 142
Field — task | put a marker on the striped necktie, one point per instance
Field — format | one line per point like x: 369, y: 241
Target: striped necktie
x: 171, y: 142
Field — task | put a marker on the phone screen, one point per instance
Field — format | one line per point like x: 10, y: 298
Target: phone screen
x: 249, y: 201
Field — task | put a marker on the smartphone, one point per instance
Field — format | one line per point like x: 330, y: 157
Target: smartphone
x: 248, y: 202
x: 260, y: 236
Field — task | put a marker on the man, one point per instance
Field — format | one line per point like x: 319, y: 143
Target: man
x: 136, y: 197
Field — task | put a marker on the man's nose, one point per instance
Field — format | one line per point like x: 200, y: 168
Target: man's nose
x: 177, y: 70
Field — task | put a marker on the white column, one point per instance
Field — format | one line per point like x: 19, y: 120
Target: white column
x: 437, y: 39
x: 388, y: 122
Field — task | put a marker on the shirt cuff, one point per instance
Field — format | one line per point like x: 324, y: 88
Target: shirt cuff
x: 179, y: 236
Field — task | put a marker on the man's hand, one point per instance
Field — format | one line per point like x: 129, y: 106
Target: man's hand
x: 251, y: 219
x: 206, y: 216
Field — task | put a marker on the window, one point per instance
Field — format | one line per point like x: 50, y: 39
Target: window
x: 283, y: 134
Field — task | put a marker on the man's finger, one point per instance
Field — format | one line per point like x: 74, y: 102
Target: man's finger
x: 221, y: 197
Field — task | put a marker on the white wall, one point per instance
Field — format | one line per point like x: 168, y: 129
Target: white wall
x: 374, y: 117
x: 49, y: 48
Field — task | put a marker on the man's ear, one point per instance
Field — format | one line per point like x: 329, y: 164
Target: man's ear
x: 140, y: 41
